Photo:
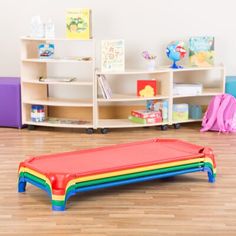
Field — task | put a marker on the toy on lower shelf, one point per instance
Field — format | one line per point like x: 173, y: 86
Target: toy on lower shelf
x: 180, y: 112
x: 145, y: 116
x: 187, y: 89
x: 156, y: 105
x: 37, y: 113
x: 195, y: 112
x: 63, y: 175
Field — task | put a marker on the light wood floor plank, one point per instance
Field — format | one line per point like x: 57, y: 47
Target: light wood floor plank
x: 184, y: 205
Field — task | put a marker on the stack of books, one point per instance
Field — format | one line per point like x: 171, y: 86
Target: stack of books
x: 104, y: 86
x: 145, y: 116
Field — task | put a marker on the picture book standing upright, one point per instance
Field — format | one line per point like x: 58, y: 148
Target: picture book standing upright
x: 79, y: 24
x: 201, y: 51
x: 113, y: 55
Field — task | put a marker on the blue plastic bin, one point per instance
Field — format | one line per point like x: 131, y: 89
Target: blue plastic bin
x: 230, y: 86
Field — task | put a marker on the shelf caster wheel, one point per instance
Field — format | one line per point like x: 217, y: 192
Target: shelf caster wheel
x: 31, y: 127
x: 164, y: 127
x: 104, y: 131
x: 89, y: 131
x: 177, y: 126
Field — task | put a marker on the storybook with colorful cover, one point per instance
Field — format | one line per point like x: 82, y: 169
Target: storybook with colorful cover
x: 78, y: 24
x: 201, y: 51
x: 113, y: 55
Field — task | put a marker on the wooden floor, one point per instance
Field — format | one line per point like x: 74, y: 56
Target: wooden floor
x: 184, y: 205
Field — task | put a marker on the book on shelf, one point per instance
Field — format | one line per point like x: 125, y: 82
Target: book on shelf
x: 201, y: 51
x: 156, y: 105
x: 146, y: 114
x: 66, y: 121
x: 180, y: 112
x: 105, y: 87
x: 56, y: 79
x: 147, y: 88
x: 79, y: 23
x: 113, y: 55
x: 145, y: 120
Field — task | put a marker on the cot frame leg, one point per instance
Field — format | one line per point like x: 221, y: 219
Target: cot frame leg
x: 59, y: 208
x: 210, y: 174
x: 21, y: 186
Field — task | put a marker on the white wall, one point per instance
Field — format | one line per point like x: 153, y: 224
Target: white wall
x: 144, y: 24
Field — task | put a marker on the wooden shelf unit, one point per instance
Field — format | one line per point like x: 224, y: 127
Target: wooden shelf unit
x: 35, y: 92
x: 212, y: 85
x: 100, y: 112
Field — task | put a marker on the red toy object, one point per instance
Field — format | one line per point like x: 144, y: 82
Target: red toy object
x: 60, y: 170
x: 146, y: 114
x: 146, y: 88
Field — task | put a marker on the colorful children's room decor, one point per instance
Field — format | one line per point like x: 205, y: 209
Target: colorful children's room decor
x: 201, y: 51
x: 180, y: 112
x: 65, y: 174
x: 46, y: 50
x: 146, y: 88
x: 146, y: 116
x: 113, y: 55
x: 37, y: 113
x: 161, y: 106
x: 150, y: 59
x: 79, y: 23
x: 176, y: 51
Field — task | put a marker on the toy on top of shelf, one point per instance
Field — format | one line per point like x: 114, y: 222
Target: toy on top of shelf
x: 151, y: 59
x: 113, y: 55
x: 201, y: 51
x: 175, y: 51
x: 146, y: 88
x: 79, y: 24
x: 46, y: 50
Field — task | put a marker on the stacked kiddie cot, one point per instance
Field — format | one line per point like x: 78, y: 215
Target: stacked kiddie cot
x: 65, y: 174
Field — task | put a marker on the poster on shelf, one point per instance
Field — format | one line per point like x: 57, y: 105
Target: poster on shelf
x: 113, y: 55
x: 79, y: 24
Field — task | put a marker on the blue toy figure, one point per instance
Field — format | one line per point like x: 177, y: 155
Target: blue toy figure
x: 176, y: 51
